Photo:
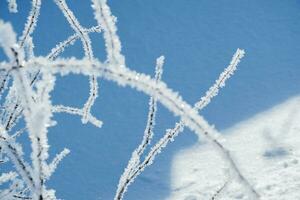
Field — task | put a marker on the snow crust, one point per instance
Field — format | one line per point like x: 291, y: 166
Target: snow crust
x: 266, y: 148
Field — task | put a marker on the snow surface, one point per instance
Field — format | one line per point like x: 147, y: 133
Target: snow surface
x: 267, y: 149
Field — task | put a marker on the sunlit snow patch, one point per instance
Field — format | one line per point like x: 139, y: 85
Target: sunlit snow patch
x: 267, y: 150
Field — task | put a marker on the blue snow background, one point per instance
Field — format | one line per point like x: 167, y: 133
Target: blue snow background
x: 198, y: 39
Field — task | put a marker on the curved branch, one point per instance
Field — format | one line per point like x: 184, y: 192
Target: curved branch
x: 141, y: 82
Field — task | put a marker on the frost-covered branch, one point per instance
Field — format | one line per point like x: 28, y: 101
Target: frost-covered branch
x: 18, y: 133
x: 169, y: 136
x: 16, y: 110
x: 107, y: 21
x: 35, y: 122
x: 58, y: 158
x: 37, y: 115
x: 4, y: 177
x: 31, y: 21
x: 204, y: 101
x: 88, y: 51
x: 148, y: 133
x: 220, y: 82
x: 8, y: 43
x: 59, y: 48
x: 86, y: 41
x: 179, y: 127
x: 33, y: 78
x: 14, y: 152
x: 4, y: 78
x: 125, y: 76
x: 135, y: 159
x: 76, y: 111
x: 172, y: 101
x: 10, y: 193
x: 12, y: 111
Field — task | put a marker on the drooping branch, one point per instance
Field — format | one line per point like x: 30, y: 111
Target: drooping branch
x: 124, y: 76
